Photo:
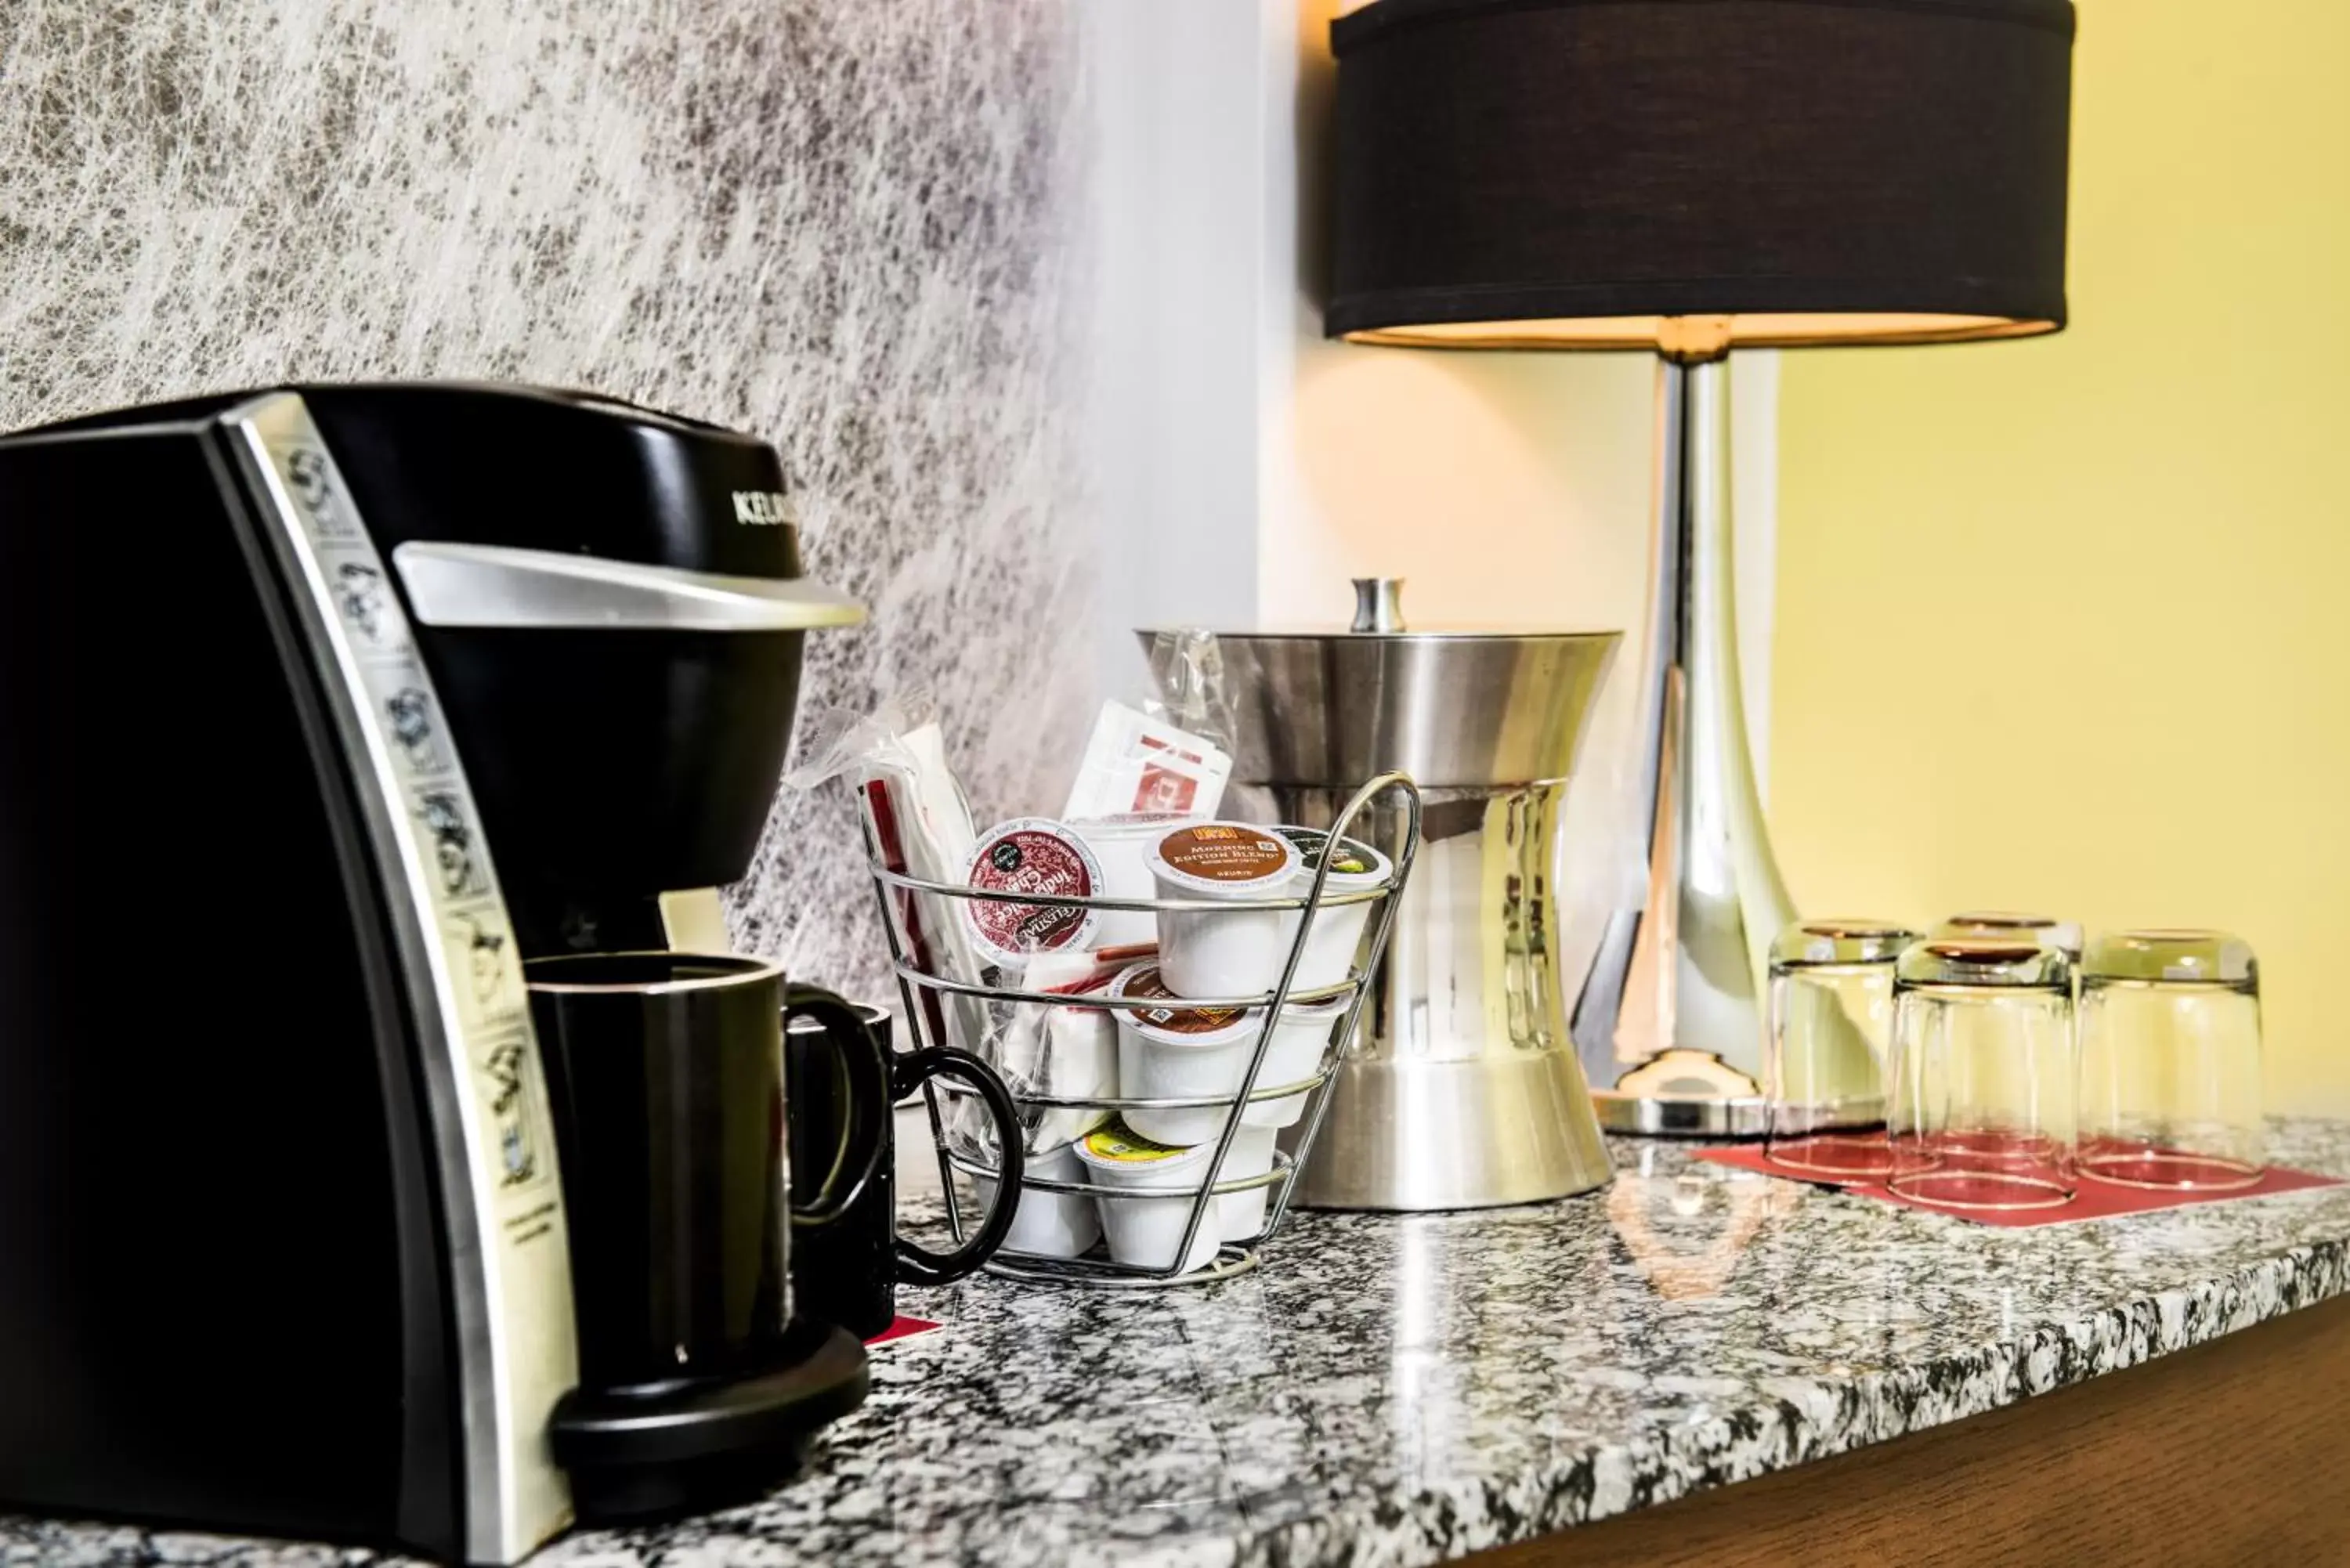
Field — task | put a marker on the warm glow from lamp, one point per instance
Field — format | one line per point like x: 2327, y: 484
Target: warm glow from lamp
x: 1704, y: 337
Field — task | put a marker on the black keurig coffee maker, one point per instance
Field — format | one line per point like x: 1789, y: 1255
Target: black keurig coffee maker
x: 326, y: 707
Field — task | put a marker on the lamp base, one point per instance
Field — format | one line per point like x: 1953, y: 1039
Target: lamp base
x: 1728, y: 1117
x: 1636, y: 1116
x: 1683, y: 1094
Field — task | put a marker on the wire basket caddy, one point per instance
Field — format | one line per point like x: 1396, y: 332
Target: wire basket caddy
x: 927, y: 994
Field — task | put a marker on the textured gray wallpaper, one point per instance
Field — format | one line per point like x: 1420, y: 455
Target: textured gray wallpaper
x: 840, y: 223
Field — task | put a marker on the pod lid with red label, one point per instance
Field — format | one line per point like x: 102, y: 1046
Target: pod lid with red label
x: 1031, y: 854
x: 1225, y: 860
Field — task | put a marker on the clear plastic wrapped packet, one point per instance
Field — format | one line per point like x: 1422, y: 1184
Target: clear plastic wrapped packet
x: 1134, y: 762
x: 919, y: 824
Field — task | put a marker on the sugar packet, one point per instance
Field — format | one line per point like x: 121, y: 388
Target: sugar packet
x: 1135, y: 763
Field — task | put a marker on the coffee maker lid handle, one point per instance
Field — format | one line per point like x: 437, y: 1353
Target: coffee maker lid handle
x: 453, y: 585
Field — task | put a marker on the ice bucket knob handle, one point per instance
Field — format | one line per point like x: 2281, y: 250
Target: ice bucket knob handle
x: 1379, y: 603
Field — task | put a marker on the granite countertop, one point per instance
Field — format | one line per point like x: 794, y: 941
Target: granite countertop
x: 1404, y: 1390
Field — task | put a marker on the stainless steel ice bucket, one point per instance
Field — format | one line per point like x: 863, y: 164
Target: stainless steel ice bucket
x: 1462, y: 1089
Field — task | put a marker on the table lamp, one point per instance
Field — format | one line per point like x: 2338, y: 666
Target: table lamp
x: 1687, y: 177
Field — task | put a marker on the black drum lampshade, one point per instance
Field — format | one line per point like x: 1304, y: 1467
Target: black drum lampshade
x: 1694, y: 175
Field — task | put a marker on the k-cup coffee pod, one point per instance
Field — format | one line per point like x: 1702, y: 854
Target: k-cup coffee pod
x: 1122, y: 844
x: 1061, y: 1053
x: 1174, y: 1052
x: 1159, y: 1183
x: 1238, y: 951
x: 1048, y: 1224
x: 1241, y: 1215
x: 1031, y: 854
x: 1338, y: 933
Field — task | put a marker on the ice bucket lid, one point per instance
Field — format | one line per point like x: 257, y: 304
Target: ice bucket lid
x: 1453, y: 709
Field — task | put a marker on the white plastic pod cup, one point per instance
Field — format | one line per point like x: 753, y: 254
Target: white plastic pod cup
x: 1159, y: 1185
x: 1049, y: 1224
x: 1224, y: 952
x: 1338, y: 932
x: 1172, y: 1051
x: 1241, y: 1215
x: 1298, y: 1045
x: 1082, y: 1063
x: 1066, y: 1053
x: 1123, y: 845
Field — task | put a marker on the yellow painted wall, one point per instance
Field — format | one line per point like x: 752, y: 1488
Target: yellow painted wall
x: 2065, y: 624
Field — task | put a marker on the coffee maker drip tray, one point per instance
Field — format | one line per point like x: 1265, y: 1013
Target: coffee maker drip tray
x: 662, y: 1450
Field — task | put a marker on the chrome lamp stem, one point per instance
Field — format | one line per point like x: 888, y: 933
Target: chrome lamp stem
x: 1671, y: 1019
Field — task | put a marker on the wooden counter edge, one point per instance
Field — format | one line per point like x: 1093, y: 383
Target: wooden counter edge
x: 2235, y: 1452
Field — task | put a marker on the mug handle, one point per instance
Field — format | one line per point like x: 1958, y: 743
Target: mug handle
x: 918, y: 1265
x: 865, y: 1064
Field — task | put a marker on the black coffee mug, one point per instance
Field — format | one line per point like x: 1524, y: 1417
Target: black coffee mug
x: 847, y: 1264
x: 671, y: 1109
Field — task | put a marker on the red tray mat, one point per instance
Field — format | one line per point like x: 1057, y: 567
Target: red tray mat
x: 2095, y: 1200
x: 903, y: 1327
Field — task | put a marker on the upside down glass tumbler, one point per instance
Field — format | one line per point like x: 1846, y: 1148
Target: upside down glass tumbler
x: 1996, y: 924
x: 1831, y: 1028
x: 1981, y: 1086
x: 2171, y: 1061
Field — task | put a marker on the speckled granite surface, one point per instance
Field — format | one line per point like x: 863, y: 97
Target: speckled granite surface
x: 1402, y: 1391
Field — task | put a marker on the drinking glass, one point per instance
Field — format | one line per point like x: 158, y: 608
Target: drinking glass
x: 2171, y: 1061
x: 1980, y: 1112
x: 1824, y: 1058
x: 2006, y: 925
